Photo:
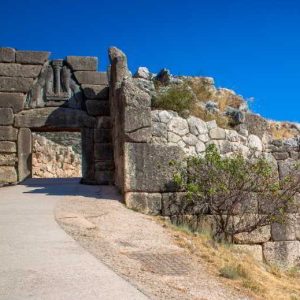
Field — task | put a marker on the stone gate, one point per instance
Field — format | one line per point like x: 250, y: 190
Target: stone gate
x: 38, y: 94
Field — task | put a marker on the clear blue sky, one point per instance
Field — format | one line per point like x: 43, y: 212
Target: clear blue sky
x: 251, y: 46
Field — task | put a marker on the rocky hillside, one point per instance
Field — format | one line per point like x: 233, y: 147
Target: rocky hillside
x: 199, y: 96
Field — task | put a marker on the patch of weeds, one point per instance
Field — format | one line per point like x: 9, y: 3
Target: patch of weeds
x: 177, y: 98
x: 233, y: 272
x: 253, y: 286
x: 184, y: 228
x: 293, y: 272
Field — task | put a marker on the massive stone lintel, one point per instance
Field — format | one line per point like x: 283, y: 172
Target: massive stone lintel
x: 32, y: 57
x: 53, y: 117
x: 17, y: 70
x: 82, y: 63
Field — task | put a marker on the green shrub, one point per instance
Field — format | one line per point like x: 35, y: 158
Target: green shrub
x: 177, y: 98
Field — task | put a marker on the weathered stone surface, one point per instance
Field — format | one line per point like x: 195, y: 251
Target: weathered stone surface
x: 256, y: 124
x: 97, y: 107
x: 285, y: 231
x: 200, y: 147
x: 173, y: 204
x: 178, y: 126
x: 6, y: 116
x: 32, y: 57
x: 285, y: 254
x: 8, y: 147
x: 8, y: 159
x: 156, y: 160
x: 286, y: 167
x: 7, y: 55
x: 24, y: 153
x: 103, y: 151
x: 12, y: 100
x: 142, y: 72
x: 197, y: 126
x: 8, y: 174
x: 159, y: 130
x: 95, y: 91
x: 281, y: 155
x: 254, y: 142
x: 15, y: 84
x: 91, y: 77
x: 82, y: 63
x: 104, y: 177
x: 190, y: 139
x: 17, y: 70
x: 102, y: 136
x: 259, y: 235
x: 173, y: 138
x: 8, y: 133
x: 217, y: 133
x: 147, y: 203
x: 165, y: 116
x: 254, y: 250
x: 53, y: 117
x: 88, y: 159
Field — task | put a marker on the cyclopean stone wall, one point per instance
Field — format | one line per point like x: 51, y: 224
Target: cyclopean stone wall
x: 146, y: 141
x: 53, y: 95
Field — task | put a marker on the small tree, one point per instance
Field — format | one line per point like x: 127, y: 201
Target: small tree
x: 241, y: 194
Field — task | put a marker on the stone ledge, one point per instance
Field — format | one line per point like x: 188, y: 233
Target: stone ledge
x: 82, y: 63
x: 7, y: 55
x: 32, y: 57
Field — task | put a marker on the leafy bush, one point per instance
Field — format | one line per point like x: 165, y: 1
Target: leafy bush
x: 177, y: 98
x: 223, y: 186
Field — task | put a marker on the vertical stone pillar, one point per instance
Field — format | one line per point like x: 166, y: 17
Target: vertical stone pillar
x: 88, y: 159
x: 24, y: 153
x: 57, y: 65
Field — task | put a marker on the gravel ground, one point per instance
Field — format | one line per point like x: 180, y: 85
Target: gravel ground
x: 137, y: 248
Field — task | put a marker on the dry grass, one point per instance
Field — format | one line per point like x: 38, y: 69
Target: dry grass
x: 282, y: 130
x: 239, y: 269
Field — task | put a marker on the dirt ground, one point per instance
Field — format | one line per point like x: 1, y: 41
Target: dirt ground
x: 138, y: 248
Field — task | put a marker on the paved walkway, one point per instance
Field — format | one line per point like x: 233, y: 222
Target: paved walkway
x: 38, y: 260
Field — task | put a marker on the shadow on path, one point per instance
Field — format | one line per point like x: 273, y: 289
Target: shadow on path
x: 70, y: 187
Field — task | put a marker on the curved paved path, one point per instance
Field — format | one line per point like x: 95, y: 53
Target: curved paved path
x: 38, y: 260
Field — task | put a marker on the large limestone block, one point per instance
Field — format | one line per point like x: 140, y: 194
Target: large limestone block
x: 8, y: 147
x: 285, y: 231
x: 8, y: 175
x: 24, y: 153
x: 83, y: 63
x: 88, y: 158
x: 53, y: 117
x: 147, y: 203
x: 6, y: 116
x: 32, y: 57
x: 217, y: 133
x: 97, y: 107
x: 285, y: 254
x: 254, y: 142
x: 197, y: 126
x: 173, y: 204
x: 91, y: 77
x: 259, y: 235
x: 286, y: 167
x: 8, y: 159
x: 254, y: 250
x: 95, y: 91
x: 15, y: 84
x: 178, y: 126
x: 7, y: 55
x: 12, y: 100
x: 149, y: 168
x: 17, y: 70
x: 8, y: 133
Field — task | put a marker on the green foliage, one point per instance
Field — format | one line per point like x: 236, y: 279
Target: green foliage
x: 233, y: 272
x: 177, y: 98
x: 222, y: 186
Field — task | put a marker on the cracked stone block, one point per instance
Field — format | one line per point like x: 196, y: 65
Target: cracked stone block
x: 82, y: 63
x: 147, y: 203
x: 8, y: 133
x: 285, y: 254
x: 8, y: 174
x: 12, y: 100
x: 32, y: 57
x: 6, y: 116
x: 15, y: 84
x: 7, y: 55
